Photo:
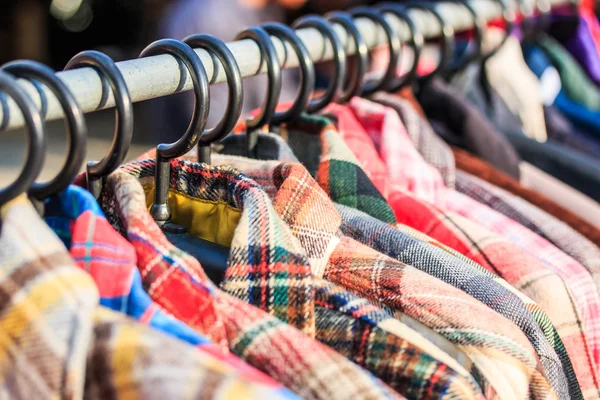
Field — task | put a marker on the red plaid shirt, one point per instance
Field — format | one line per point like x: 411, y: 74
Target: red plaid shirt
x: 416, y: 186
x: 177, y: 282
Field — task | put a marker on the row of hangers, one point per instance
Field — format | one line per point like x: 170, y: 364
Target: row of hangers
x: 340, y: 90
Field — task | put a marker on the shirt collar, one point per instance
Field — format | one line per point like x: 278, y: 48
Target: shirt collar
x: 320, y: 148
x: 381, y: 128
x: 433, y: 149
x: 267, y: 267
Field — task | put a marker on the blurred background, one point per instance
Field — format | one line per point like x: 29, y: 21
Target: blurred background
x: 53, y: 31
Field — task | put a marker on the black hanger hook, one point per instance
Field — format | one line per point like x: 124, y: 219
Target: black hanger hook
x: 336, y: 83
x: 76, y: 126
x: 447, y: 46
x: 235, y: 100
x: 165, y: 152
x: 307, y: 71
x: 105, y: 67
x: 355, y: 82
x: 36, y: 139
x: 509, y: 16
x: 269, y: 54
x: 417, y: 41
x: 479, y: 25
x: 394, y: 45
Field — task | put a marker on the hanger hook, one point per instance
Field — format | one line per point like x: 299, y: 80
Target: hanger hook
x: 355, y: 82
x: 334, y: 90
x: 76, y: 126
x: 105, y: 67
x: 307, y: 71
x: 479, y: 25
x: 36, y: 139
x: 417, y: 41
x: 447, y: 47
x: 509, y: 16
x: 165, y: 152
x: 269, y: 54
x: 394, y: 45
x: 235, y: 100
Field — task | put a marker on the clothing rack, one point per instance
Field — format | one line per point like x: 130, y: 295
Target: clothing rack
x: 158, y: 76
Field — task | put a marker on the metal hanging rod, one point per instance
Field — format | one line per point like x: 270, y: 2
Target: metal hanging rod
x: 158, y: 76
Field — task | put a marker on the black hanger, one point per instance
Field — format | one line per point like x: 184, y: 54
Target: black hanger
x: 36, y: 139
x: 417, y: 42
x: 355, y: 81
x: 233, y: 111
x: 269, y: 54
x: 447, y: 46
x: 105, y: 66
x: 307, y: 71
x: 165, y: 152
x: 213, y: 257
x: 479, y: 25
x: 509, y: 16
x: 336, y: 83
x: 76, y: 126
x: 394, y: 45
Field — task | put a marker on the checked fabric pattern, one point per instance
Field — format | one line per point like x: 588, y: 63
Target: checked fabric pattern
x: 472, y: 279
x: 508, y: 362
x: 57, y: 342
x: 111, y: 261
x: 548, y: 285
x: 545, y: 225
x: 177, y: 282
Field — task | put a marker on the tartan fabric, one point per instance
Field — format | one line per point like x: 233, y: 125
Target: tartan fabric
x: 477, y: 167
x: 545, y: 225
x: 130, y: 360
x: 409, y: 171
x: 433, y: 149
x: 57, y: 342
x: 266, y: 268
x: 466, y: 322
x: 515, y: 265
x: 314, y: 141
x: 111, y: 261
x: 472, y: 279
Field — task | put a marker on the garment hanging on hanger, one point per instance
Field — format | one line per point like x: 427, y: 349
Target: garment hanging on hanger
x: 181, y: 282
x: 421, y: 217
x: 325, y: 163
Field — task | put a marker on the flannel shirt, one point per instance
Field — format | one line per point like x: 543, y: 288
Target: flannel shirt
x: 58, y: 343
x: 477, y: 167
x: 265, y: 269
x: 543, y: 283
x: 545, y: 225
x: 111, y: 261
x: 464, y: 321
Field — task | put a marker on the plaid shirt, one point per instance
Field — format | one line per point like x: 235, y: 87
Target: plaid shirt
x: 111, y: 261
x: 266, y: 269
x: 464, y: 321
x: 545, y: 225
x: 514, y: 265
x: 57, y: 342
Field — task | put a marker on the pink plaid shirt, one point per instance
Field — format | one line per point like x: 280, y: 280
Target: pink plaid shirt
x: 390, y: 149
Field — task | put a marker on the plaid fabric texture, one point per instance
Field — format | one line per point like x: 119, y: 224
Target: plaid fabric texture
x: 470, y: 278
x: 111, y: 261
x: 428, y: 143
x: 551, y: 228
x: 572, y: 315
x: 264, y: 269
x: 314, y: 141
x: 464, y: 321
x: 57, y: 342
